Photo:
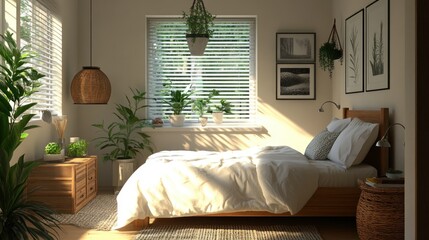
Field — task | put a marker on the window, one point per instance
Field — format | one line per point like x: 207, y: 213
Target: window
x: 35, y: 24
x: 228, y: 65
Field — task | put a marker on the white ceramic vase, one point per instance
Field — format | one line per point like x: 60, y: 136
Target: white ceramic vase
x: 217, y: 117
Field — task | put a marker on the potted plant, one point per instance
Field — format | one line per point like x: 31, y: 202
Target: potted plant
x: 223, y: 107
x: 178, y: 100
x: 19, y: 218
x: 53, y: 152
x: 201, y: 106
x: 330, y: 51
x: 124, y: 137
x: 77, y: 148
x: 198, y: 23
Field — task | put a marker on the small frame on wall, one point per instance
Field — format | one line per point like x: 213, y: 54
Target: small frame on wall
x: 377, y: 49
x: 296, y: 81
x: 354, y: 56
x: 295, y: 47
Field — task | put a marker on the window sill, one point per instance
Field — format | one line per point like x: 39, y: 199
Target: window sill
x: 210, y: 128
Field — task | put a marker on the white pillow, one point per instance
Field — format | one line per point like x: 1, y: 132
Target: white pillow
x: 353, y: 143
x: 321, y: 144
x: 338, y: 125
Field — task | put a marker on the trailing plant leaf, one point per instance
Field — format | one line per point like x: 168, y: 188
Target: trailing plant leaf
x: 328, y: 53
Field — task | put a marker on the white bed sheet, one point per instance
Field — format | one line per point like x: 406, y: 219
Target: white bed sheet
x: 332, y: 174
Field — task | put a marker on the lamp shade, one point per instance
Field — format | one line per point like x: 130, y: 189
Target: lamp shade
x: 90, y: 86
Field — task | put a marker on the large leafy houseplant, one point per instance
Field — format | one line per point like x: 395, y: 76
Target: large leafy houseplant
x: 19, y: 218
x: 124, y: 136
x: 198, y: 22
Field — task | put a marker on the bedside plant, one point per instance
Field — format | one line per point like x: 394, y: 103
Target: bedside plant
x: 124, y: 138
x: 77, y: 149
x: 19, y: 218
x: 53, y: 152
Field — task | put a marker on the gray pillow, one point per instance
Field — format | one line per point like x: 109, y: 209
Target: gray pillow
x: 319, y: 147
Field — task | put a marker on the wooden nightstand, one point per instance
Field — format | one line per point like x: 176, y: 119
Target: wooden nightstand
x: 67, y: 186
x: 380, y: 212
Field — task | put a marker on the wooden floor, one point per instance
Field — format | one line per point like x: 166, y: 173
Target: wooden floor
x: 330, y: 228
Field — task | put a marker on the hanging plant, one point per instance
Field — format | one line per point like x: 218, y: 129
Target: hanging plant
x: 331, y: 51
x: 198, y: 23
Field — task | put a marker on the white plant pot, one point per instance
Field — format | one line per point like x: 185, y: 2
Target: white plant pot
x: 203, y: 121
x: 122, y: 169
x: 196, y: 45
x: 217, y: 117
x: 177, y: 120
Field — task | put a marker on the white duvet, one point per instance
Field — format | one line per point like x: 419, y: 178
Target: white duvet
x: 186, y: 183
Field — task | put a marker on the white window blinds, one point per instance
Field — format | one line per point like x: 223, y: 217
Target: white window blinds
x: 228, y: 65
x: 36, y: 25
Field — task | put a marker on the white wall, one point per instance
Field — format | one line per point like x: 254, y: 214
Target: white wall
x: 400, y: 98
x: 119, y: 49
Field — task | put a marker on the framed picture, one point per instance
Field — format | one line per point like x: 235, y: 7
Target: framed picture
x: 296, y: 81
x: 296, y: 47
x: 354, y: 53
x: 377, y: 47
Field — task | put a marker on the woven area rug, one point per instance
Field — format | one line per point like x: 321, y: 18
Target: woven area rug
x: 98, y: 214
x: 233, y: 232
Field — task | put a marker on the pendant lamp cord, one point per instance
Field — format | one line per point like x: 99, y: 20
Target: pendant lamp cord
x: 90, y: 33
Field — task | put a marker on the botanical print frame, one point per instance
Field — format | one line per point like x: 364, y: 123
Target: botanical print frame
x: 354, y: 53
x: 296, y: 81
x: 378, y: 46
x: 295, y: 47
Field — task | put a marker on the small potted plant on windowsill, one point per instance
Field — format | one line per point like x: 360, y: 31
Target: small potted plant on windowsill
x: 201, y: 106
x: 217, y: 114
x: 178, y: 100
x: 198, y: 23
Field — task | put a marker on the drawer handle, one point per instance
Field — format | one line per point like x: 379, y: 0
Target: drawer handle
x: 81, y: 196
x: 90, y: 178
x: 91, y: 188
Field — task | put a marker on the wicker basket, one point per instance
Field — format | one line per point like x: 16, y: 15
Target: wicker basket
x: 380, y: 213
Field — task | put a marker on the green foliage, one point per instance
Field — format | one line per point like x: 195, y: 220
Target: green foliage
x: 377, y: 64
x: 124, y: 137
x: 199, y: 20
x: 19, y: 218
x: 224, y: 107
x: 77, y: 149
x: 201, y: 105
x: 178, y: 99
x: 52, y: 148
x: 328, y: 53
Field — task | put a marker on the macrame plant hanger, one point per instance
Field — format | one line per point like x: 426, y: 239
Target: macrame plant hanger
x: 334, y: 38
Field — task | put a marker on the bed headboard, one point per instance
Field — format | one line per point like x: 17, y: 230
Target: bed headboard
x: 378, y: 157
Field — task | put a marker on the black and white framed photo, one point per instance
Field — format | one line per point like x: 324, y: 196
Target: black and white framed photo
x: 354, y: 53
x: 295, y: 47
x: 296, y: 81
x: 377, y: 46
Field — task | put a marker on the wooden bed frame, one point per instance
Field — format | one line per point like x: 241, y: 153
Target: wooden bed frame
x: 331, y: 201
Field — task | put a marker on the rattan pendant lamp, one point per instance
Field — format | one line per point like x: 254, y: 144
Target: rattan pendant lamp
x: 90, y: 85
